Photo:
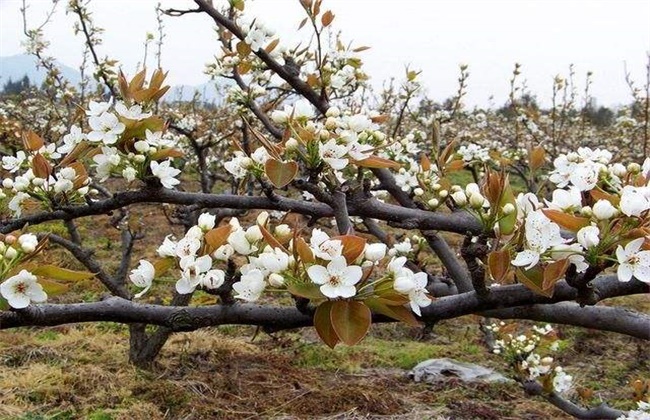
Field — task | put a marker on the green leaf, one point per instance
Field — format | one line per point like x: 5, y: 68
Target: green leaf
x: 534, y: 280
x: 323, y: 324
x: 507, y: 222
x: 351, y: 320
x: 58, y: 273
x: 53, y: 288
x: 399, y: 313
x: 306, y: 290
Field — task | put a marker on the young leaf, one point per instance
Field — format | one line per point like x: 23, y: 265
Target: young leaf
x: 58, y: 273
x: 351, y: 320
x: 353, y: 246
x: 567, y: 221
x: 498, y: 264
x: 323, y: 324
x: 399, y: 313
x: 280, y: 173
x: 216, y: 237
x: 534, y: 280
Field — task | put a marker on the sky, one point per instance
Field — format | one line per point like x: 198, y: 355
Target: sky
x: 605, y: 37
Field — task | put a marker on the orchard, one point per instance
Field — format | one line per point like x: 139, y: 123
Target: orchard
x: 307, y: 201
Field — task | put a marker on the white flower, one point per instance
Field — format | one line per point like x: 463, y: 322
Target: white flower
x: 633, y: 262
x: 274, y: 262
x: 133, y: 113
x: 28, y: 242
x: 193, y: 272
x: 337, y: 280
x: 413, y: 285
x: 106, y: 128
x: 562, y: 381
x: 588, y: 236
x: 634, y: 201
x: 237, y: 239
x: 541, y: 234
x: 206, y: 221
x: 324, y: 247
x: 603, y: 210
x: 223, y: 253
x: 129, y: 173
x: 251, y: 285
x: 358, y: 151
x: 237, y: 166
x: 333, y: 153
x: 11, y: 163
x: 213, y: 279
x: 188, y: 246
x: 98, y: 108
x: 303, y: 110
x: 168, y: 248
x: 564, y: 200
x: 15, y: 204
x: 375, y: 252
x: 22, y: 289
x: 71, y: 139
x: 143, y: 276
x: 165, y: 173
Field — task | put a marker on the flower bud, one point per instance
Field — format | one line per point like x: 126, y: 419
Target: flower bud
x: 11, y: 253
x: 262, y: 218
x: 333, y: 112
x: 282, y: 231
x: 375, y: 252
x: 443, y: 193
x: 604, y: 210
x: 459, y: 198
x: 8, y: 183
x: 634, y: 168
x: 476, y: 200
x: 433, y: 203
x: 291, y: 144
x: 418, y: 192
x: 247, y: 162
x: 276, y: 280
x: 206, y: 221
x: 509, y: 208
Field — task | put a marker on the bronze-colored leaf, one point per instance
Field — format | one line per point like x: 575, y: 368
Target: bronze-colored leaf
x: 553, y: 272
x: 216, y: 237
x: 41, y: 166
x: 351, y: 320
x: 534, y: 280
x: 567, y: 221
x: 400, y: 313
x: 327, y: 18
x: 32, y: 141
x: 323, y: 324
x: 280, y: 173
x: 537, y: 158
x: 378, y: 162
x: 353, y: 246
x: 498, y: 263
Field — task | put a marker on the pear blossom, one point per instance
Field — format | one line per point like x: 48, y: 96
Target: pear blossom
x: 633, y: 262
x: 28, y: 242
x: 413, y: 285
x: 143, y: 276
x: 634, y: 200
x: 22, y: 289
x: 70, y: 140
x: 105, y: 128
x: 324, y: 247
x: 168, y: 247
x: 188, y: 246
x: 96, y: 109
x: 13, y: 163
x: 223, y: 253
x: 275, y: 261
x: 237, y: 239
x: 132, y: 113
x: 206, y: 221
x: 251, y: 285
x: 165, y: 173
x: 338, y: 279
x: 588, y: 236
x: 193, y: 271
x: 375, y: 252
x: 541, y: 234
x: 603, y: 210
x: 566, y: 200
x: 358, y: 151
x: 213, y: 279
x: 333, y: 153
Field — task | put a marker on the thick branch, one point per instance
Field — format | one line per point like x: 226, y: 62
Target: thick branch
x: 276, y: 318
x: 420, y: 219
x: 603, y: 318
x: 600, y: 412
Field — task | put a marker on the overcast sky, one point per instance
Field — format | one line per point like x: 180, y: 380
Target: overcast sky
x: 545, y: 36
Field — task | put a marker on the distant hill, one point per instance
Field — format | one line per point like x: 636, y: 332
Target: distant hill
x: 15, y: 67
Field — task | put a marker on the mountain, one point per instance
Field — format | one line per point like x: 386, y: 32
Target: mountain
x: 15, y: 67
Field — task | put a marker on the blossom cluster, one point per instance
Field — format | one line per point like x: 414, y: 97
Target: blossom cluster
x: 276, y: 259
x: 22, y: 288
x: 521, y: 351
